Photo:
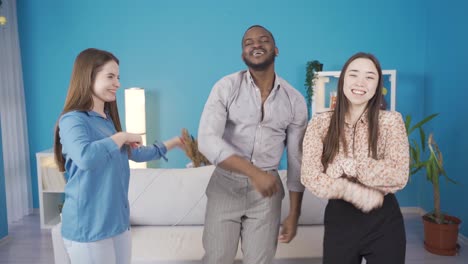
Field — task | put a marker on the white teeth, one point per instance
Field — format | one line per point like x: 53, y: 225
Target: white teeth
x: 358, y: 92
x: 258, y: 53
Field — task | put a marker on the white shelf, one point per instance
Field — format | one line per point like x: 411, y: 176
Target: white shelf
x: 50, y: 187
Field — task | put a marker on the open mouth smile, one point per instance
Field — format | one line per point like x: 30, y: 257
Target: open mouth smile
x: 257, y: 52
x: 358, y: 92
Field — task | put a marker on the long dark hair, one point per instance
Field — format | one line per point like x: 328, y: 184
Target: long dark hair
x: 80, y: 92
x: 335, y: 135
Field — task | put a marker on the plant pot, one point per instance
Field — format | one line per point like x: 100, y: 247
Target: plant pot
x: 441, y: 239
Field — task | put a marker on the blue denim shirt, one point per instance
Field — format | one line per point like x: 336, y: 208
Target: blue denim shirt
x: 97, y: 171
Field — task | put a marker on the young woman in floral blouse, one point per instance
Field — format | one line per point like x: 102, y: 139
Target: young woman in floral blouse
x: 357, y: 156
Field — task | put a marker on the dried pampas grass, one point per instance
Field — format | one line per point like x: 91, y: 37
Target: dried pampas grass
x: 191, y: 150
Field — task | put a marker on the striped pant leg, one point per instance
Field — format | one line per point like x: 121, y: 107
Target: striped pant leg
x: 260, y: 226
x: 224, y: 210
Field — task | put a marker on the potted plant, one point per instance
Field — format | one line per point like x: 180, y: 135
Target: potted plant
x: 312, y: 68
x: 440, y: 229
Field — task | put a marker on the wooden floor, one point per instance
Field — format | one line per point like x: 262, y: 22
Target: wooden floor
x: 27, y: 244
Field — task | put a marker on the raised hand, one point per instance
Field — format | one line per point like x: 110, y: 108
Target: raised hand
x: 174, y: 142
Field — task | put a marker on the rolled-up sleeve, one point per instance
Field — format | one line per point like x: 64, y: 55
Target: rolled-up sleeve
x: 212, y: 125
x: 295, y: 136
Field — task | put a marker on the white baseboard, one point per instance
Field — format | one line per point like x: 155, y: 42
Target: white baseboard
x: 412, y: 210
x: 462, y: 240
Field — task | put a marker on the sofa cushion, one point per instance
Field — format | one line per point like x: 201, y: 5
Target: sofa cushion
x: 177, y: 197
x: 183, y: 244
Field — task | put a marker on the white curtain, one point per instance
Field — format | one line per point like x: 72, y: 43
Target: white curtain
x: 13, y: 116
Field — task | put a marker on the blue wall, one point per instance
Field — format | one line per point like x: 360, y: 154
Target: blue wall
x: 446, y: 93
x: 177, y: 51
x: 3, y: 208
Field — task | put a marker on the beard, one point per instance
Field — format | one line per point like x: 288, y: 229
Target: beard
x: 261, y: 65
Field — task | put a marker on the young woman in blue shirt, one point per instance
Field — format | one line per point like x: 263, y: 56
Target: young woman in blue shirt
x: 93, y: 151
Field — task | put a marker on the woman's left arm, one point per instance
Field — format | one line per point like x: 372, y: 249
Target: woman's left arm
x: 389, y: 174
x: 155, y: 151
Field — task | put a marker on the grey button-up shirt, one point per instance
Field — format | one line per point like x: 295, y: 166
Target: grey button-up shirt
x: 231, y: 124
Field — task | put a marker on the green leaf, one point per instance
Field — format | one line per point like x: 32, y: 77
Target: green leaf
x: 422, y: 122
x: 447, y: 177
x: 422, y: 137
x: 435, y: 176
x: 429, y: 172
x: 416, y: 151
x: 407, y: 123
x: 413, y: 153
x: 412, y: 172
x: 419, y: 165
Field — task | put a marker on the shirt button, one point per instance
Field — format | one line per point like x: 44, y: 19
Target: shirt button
x: 253, y: 161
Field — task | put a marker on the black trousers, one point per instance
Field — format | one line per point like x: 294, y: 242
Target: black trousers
x: 350, y: 235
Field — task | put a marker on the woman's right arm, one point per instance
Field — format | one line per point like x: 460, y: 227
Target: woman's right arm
x: 121, y: 138
x: 85, y: 153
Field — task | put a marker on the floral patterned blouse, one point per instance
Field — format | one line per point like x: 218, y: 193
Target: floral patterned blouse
x: 387, y: 174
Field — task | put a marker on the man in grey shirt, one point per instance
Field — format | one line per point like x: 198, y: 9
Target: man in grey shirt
x: 248, y: 119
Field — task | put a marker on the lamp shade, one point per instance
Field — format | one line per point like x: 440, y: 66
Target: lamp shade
x: 135, y: 115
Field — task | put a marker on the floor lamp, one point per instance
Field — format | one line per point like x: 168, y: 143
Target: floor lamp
x: 135, y: 116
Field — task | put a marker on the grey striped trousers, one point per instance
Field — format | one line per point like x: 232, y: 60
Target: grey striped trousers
x: 235, y: 210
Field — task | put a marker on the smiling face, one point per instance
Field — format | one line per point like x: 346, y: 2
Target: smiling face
x: 360, y: 82
x: 106, y: 84
x: 258, y: 49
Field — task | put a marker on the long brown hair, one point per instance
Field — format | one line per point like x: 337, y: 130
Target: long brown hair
x: 335, y: 135
x: 80, y: 92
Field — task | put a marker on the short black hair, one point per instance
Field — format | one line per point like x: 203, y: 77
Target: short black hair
x: 259, y: 26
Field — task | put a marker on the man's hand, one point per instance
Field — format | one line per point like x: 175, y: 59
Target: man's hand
x: 265, y: 183
x: 288, y: 229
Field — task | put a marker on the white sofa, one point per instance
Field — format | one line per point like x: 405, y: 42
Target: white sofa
x: 167, y: 213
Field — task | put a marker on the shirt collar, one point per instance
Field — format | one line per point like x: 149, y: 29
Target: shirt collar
x: 276, y: 85
x: 92, y: 113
